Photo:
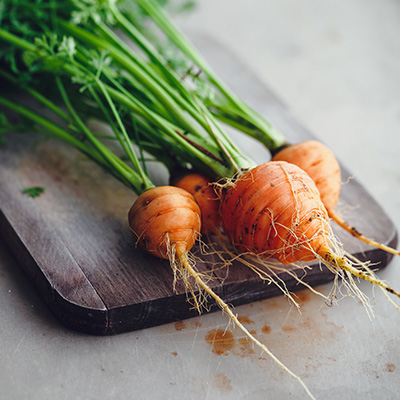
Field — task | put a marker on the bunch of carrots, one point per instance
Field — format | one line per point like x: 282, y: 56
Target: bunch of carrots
x: 70, y: 59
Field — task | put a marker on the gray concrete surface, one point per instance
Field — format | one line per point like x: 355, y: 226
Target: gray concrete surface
x: 336, y: 65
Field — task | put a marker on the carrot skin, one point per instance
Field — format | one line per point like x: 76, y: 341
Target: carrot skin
x: 320, y: 163
x: 275, y: 210
x: 163, y: 217
x: 203, y: 191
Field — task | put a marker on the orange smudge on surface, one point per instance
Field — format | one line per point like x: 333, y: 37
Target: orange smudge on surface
x: 245, y: 320
x: 197, y: 323
x: 246, y: 348
x: 253, y: 331
x: 221, y: 341
x: 390, y: 367
x: 180, y: 325
x: 174, y: 353
x: 266, y: 329
x: 302, y: 297
x: 222, y: 382
x: 307, y: 323
x: 287, y: 328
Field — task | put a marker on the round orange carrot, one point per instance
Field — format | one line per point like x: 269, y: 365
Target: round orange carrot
x: 203, y: 191
x: 165, y: 218
x: 320, y: 163
x: 275, y: 210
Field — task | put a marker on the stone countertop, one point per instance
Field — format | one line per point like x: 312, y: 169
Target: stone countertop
x: 335, y: 65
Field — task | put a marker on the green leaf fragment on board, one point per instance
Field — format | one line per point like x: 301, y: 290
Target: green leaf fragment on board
x: 34, y: 191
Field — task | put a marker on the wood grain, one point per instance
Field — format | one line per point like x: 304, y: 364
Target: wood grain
x: 74, y: 244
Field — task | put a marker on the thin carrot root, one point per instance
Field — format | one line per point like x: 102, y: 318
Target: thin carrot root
x: 320, y: 163
x: 343, y: 263
x: 266, y: 269
x: 371, y: 272
x: 354, y: 232
x: 198, y: 278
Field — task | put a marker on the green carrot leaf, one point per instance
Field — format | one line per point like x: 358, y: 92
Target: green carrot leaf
x: 34, y: 191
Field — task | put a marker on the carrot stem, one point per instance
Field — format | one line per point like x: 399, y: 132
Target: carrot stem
x: 271, y: 136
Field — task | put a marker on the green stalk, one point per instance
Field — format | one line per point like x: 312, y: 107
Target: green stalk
x: 54, y: 131
x: 196, y: 153
x: 124, y: 97
x: 135, y: 69
x: 168, y: 97
x: 124, y: 139
x: 38, y: 96
x: 20, y: 43
x: 220, y: 169
x: 57, y: 132
x: 180, y: 94
x: 272, y: 138
x: 149, y: 49
x: 140, y: 185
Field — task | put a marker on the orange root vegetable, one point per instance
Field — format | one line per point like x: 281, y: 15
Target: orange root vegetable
x: 320, y: 163
x: 275, y: 211
x: 165, y: 222
x: 203, y: 191
x: 165, y: 218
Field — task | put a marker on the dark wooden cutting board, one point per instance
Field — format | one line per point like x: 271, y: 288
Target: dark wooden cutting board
x: 74, y: 244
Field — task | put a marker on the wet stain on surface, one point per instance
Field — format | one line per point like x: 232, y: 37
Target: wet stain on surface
x: 302, y: 297
x: 287, y: 328
x: 222, y: 382
x: 246, y: 348
x: 266, y: 329
x: 245, y: 320
x: 221, y: 341
x: 390, y: 367
x: 180, y: 325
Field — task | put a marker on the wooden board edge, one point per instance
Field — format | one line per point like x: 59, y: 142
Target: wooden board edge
x: 95, y: 320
